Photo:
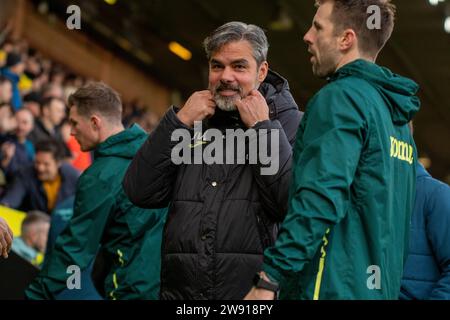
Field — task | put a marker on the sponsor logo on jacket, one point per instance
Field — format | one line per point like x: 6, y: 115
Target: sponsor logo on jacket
x: 402, y: 151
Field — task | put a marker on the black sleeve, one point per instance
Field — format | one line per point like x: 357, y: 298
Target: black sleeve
x: 274, y: 188
x: 151, y: 175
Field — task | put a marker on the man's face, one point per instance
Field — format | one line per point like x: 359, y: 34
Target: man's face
x: 7, y: 120
x: 6, y: 91
x: 83, y: 129
x: 55, y: 91
x: 24, y: 121
x: 322, y: 43
x: 34, y: 108
x: 46, y: 166
x: 39, y: 236
x: 57, y: 112
x: 18, y: 68
x: 233, y: 73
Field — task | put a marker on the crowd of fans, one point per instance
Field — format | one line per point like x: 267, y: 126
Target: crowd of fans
x: 39, y: 160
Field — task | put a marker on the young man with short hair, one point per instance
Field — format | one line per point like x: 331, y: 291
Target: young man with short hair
x: 124, y: 239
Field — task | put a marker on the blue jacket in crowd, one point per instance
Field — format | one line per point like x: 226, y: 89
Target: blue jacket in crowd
x: 16, y: 100
x: 427, y: 270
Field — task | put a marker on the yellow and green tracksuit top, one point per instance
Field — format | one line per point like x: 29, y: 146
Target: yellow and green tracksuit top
x: 345, y: 235
x: 106, y: 224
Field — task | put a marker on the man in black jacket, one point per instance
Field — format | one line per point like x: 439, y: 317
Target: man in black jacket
x: 48, y: 125
x: 221, y: 216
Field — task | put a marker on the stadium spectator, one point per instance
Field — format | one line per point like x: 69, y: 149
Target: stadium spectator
x: 32, y: 102
x: 17, y: 151
x: 12, y: 70
x: 53, y: 90
x: 427, y: 270
x: 6, y: 90
x: 43, y: 185
x: 48, y: 125
x: 32, y: 242
x: 53, y: 111
x: 7, y: 121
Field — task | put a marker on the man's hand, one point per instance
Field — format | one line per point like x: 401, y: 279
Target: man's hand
x: 260, y: 294
x: 199, y: 106
x: 6, y: 237
x: 8, y: 151
x: 253, y: 108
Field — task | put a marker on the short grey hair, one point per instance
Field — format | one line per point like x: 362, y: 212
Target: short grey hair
x: 237, y: 31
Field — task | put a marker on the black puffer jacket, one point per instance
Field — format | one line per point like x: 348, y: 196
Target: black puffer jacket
x: 221, y: 217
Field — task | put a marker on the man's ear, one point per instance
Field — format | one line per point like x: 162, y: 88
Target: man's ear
x: 263, y: 70
x: 347, y: 40
x: 96, y: 122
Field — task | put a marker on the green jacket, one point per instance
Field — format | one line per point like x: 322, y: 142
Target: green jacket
x: 106, y: 223
x: 352, y: 192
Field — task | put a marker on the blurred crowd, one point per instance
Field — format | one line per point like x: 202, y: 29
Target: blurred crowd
x: 39, y: 159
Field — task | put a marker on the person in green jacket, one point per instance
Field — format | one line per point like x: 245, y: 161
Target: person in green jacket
x: 345, y: 235
x: 106, y: 226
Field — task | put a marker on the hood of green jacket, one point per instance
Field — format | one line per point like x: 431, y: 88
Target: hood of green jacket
x: 125, y: 144
x: 398, y: 92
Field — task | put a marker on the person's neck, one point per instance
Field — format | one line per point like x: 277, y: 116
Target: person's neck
x: 21, y: 140
x: 28, y: 242
x: 54, y: 179
x: 109, y: 132
x: 351, y: 57
x: 48, y: 125
x: 15, y: 71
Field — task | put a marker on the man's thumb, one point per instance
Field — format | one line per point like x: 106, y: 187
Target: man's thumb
x: 238, y: 102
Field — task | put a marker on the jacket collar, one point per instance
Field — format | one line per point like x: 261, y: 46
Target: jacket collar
x: 421, y: 171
